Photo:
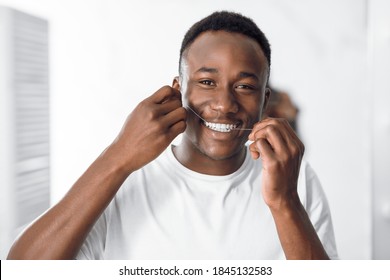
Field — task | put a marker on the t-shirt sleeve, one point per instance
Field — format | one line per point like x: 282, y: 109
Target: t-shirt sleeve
x: 317, y: 207
x: 94, y: 244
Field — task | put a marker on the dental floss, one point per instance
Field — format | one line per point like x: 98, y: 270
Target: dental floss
x: 196, y: 114
x: 242, y: 129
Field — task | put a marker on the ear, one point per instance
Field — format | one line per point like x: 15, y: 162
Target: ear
x: 267, y: 96
x: 176, y: 83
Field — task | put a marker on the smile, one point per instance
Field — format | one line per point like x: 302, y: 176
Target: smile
x: 220, y: 127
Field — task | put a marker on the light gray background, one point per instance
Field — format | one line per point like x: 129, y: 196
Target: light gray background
x: 107, y: 55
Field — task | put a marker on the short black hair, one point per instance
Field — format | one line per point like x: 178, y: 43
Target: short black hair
x: 229, y: 22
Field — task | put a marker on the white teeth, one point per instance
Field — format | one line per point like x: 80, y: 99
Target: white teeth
x: 220, y: 127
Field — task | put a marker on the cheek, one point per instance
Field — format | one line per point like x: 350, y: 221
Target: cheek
x: 195, y: 97
x: 253, y: 109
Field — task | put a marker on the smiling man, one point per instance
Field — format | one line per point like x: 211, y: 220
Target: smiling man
x: 210, y: 197
x: 224, y: 77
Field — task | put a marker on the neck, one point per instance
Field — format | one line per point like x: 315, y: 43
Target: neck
x: 192, y: 158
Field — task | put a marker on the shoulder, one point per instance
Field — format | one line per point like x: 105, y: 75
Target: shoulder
x: 309, y: 186
x: 306, y: 171
x: 148, y: 177
x: 314, y: 200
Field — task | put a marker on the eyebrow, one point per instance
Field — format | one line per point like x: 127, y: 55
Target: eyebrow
x: 248, y: 75
x: 207, y: 70
x: 214, y: 71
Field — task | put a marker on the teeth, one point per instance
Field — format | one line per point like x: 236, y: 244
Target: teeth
x: 220, y: 127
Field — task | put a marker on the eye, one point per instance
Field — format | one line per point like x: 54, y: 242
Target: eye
x: 246, y: 87
x: 207, y: 82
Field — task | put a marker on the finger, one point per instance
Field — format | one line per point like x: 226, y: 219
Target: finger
x: 288, y: 134
x: 275, y: 137
x: 177, y: 115
x: 176, y: 129
x: 259, y: 125
x: 169, y: 106
x: 294, y: 137
x: 261, y: 148
x: 255, y: 154
x: 294, y: 144
x: 265, y: 149
x: 165, y: 93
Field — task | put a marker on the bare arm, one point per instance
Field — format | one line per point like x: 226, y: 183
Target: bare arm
x: 281, y: 152
x: 297, y: 234
x: 60, y: 232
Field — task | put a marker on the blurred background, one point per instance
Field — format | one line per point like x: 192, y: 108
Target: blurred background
x: 71, y: 71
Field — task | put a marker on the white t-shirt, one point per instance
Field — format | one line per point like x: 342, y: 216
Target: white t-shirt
x: 166, y: 211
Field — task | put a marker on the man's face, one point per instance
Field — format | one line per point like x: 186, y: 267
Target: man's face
x: 224, y: 81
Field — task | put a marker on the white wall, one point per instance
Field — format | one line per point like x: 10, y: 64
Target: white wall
x: 379, y: 65
x: 108, y: 55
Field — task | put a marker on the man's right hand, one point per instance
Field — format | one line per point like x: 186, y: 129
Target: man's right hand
x: 149, y: 129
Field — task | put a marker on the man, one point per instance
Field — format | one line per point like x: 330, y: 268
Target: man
x: 210, y: 197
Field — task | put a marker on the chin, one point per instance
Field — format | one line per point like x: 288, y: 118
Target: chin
x: 220, y: 153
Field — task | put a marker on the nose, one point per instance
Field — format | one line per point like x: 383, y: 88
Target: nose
x: 225, y: 101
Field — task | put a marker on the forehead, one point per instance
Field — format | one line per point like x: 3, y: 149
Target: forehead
x: 221, y: 49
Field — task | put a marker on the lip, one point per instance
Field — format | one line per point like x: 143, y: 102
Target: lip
x: 220, y: 127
